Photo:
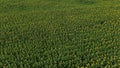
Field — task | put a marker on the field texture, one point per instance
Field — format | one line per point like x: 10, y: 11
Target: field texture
x: 59, y: 33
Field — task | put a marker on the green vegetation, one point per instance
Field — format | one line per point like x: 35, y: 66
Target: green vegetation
x: 59, y: 34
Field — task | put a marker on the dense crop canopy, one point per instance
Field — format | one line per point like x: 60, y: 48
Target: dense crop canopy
x: 59, y: 34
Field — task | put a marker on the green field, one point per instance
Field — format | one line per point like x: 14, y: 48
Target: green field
x: 59, y: 33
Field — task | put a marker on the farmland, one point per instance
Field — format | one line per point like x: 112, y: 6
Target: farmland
x: 59, y: 33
